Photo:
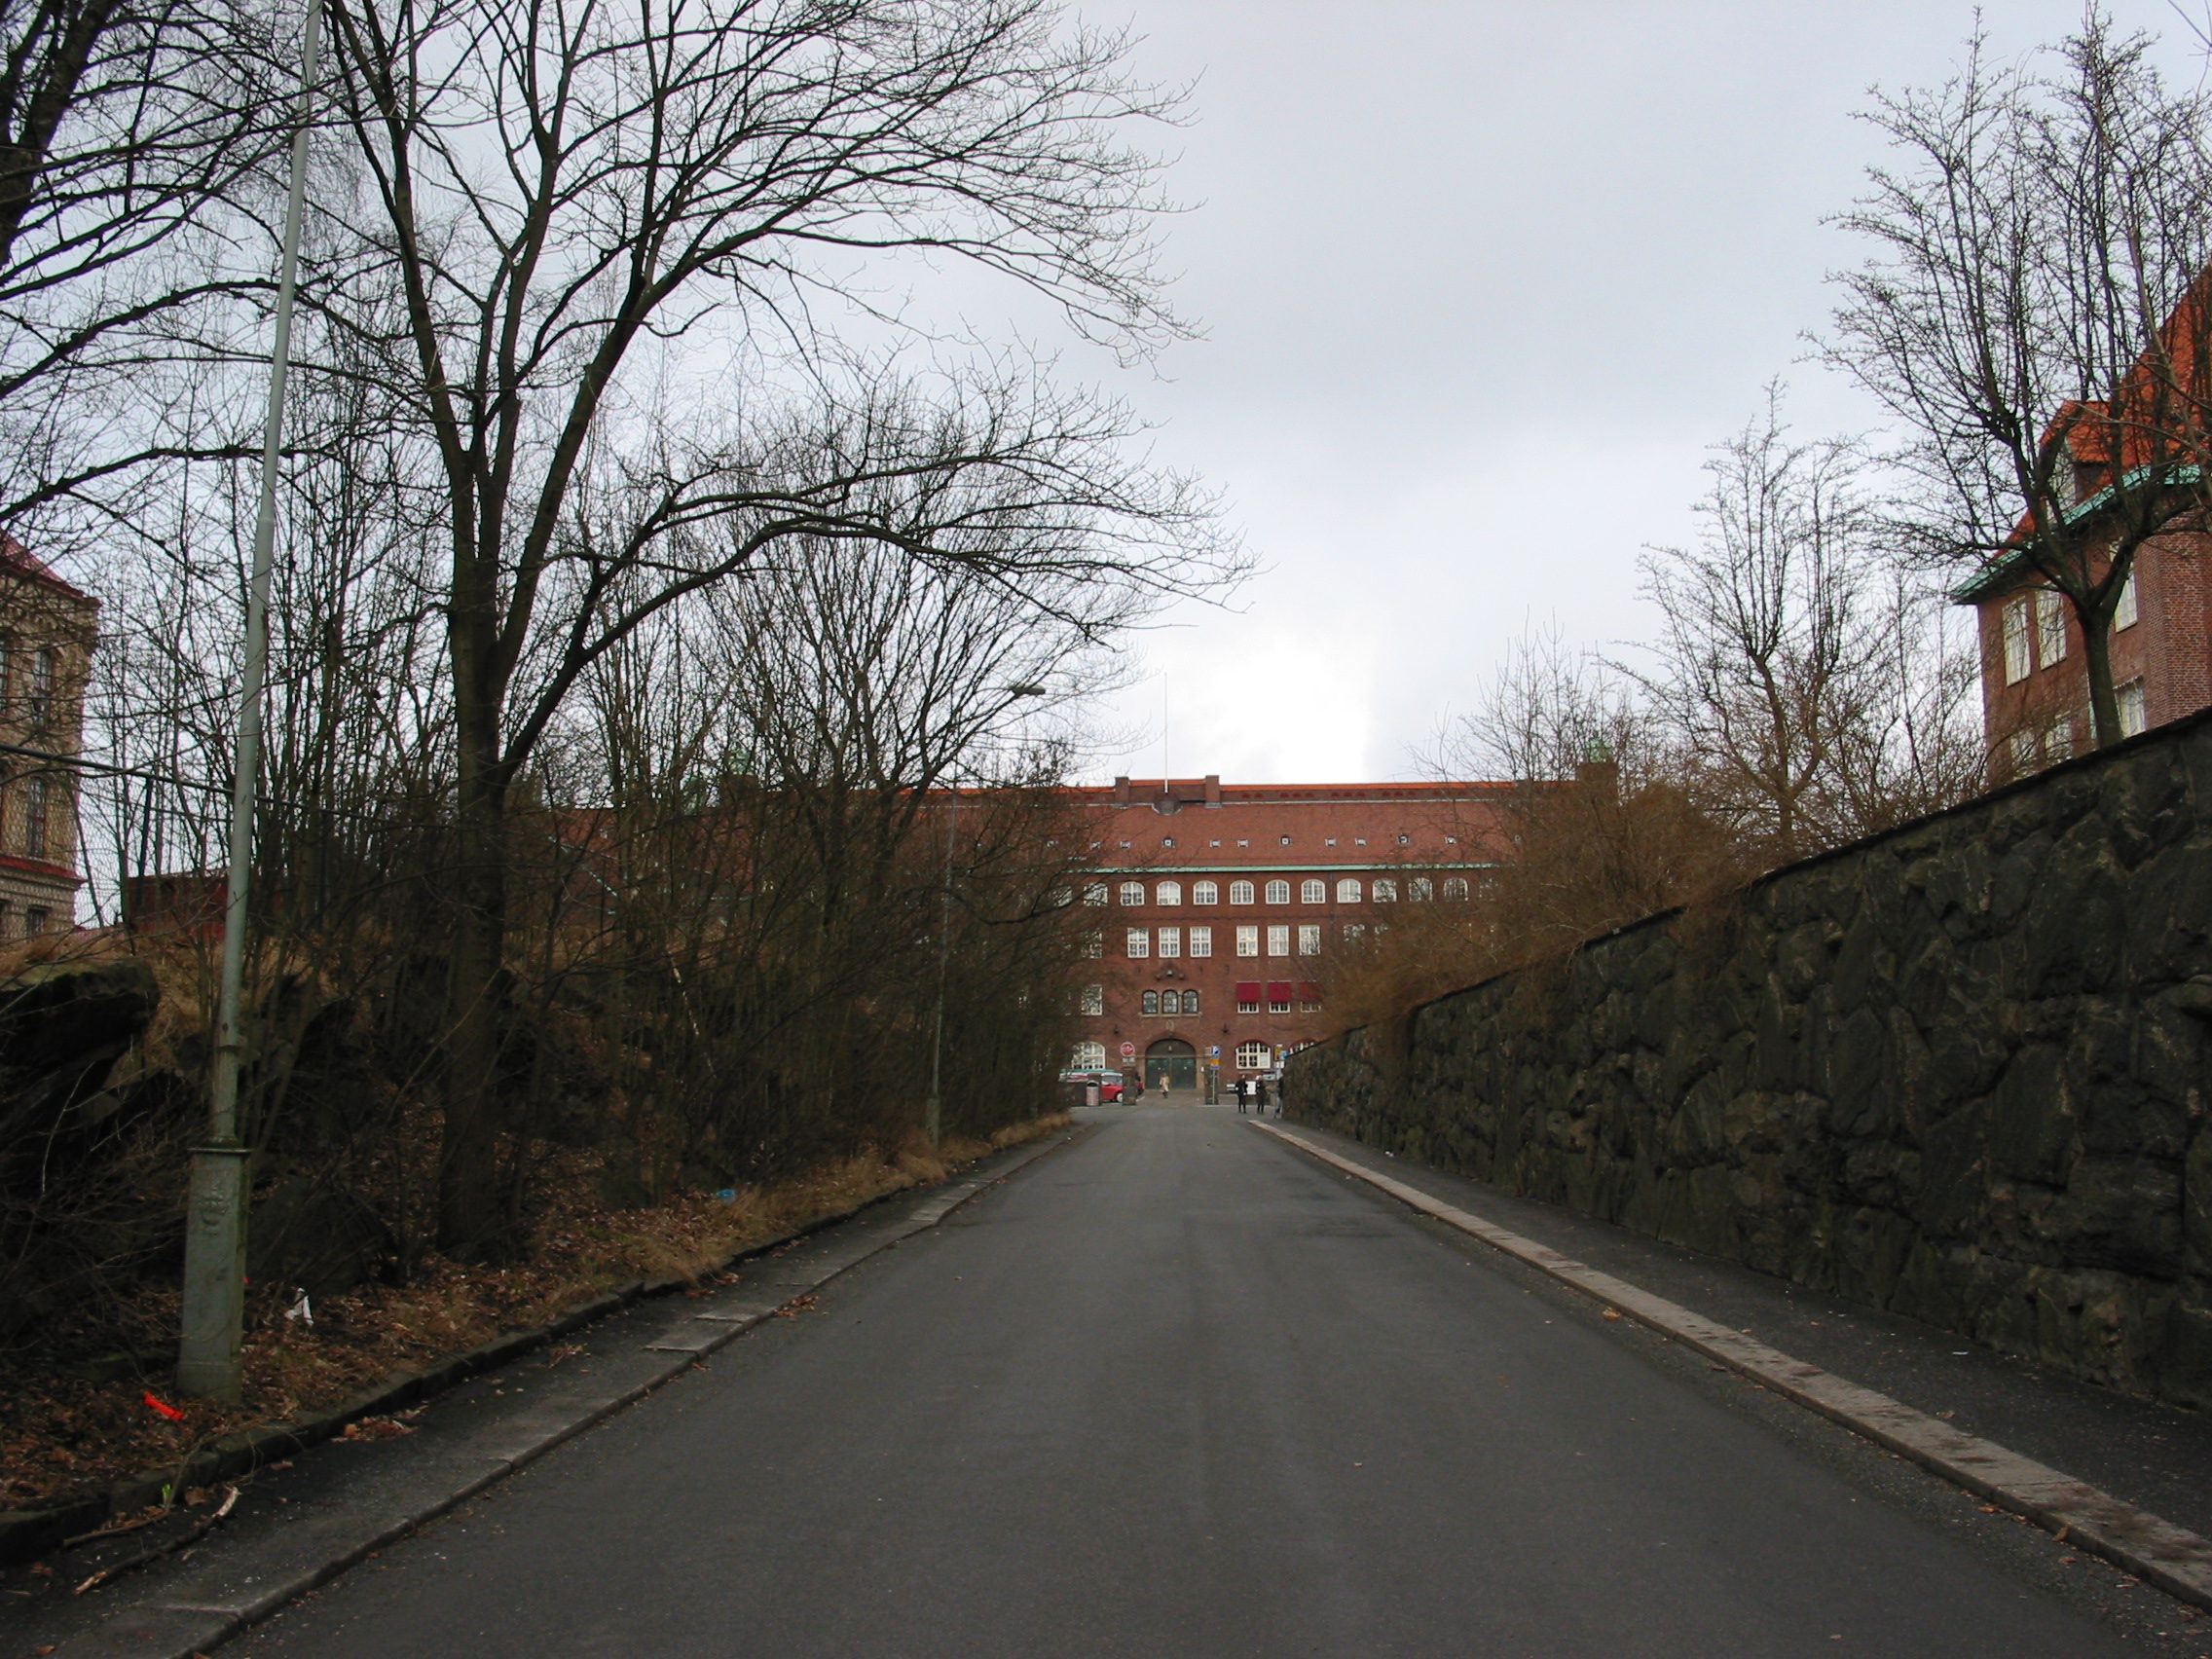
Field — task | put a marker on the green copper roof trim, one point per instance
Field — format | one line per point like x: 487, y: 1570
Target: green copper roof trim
x: 1980, y: 585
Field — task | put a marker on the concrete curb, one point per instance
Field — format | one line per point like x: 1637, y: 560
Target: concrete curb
x: 184, y: 1624
x: 2157, y: 1551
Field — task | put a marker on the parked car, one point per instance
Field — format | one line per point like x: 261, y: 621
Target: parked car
x: 1109, y: 1083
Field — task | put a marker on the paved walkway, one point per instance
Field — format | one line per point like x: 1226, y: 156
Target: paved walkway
x: 1177, y: 1390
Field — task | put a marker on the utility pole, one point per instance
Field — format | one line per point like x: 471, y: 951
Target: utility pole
x: 208, y: 1351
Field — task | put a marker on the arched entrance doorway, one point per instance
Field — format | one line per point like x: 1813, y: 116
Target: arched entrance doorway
x: 1171, y: 1063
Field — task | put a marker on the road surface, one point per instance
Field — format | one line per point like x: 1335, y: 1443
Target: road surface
x: 1177, y: 1389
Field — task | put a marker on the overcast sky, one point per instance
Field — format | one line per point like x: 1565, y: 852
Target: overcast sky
x: 1480, y: 283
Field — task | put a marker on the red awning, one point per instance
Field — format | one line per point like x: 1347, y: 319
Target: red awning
x: 1309, y: 991
x: 1278, y: 990
x: 1247, y: 990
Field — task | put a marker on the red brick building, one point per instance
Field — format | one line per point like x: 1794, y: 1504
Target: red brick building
x: 1212, y: 905
x: 2035, y: 693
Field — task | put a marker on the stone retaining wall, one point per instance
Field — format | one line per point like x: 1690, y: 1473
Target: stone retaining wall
x: 1958, y: 1071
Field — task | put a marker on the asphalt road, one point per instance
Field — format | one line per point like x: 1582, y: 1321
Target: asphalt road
x: 1177, y: 1390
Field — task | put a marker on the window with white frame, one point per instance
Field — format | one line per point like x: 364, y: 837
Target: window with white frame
x: 1205, y: 893
x: 1354, y: 932
x: 1094, y: 999
x: 1149, y: 1003
x: 1278, y: 939
x: 1062, y: 898
x: 1309, y: 999
x: 1418, y: 890
x: 1240, y: 892
x: 1201, y: 942
x: 1190, y: 1001
x: 1250, y: 1004
x: 1167, y: 892
x: 1308, y: 939
x: 1348, y: 891
x: 2132, y: 714
x: 1314, y: 893
x: 1248, y: 941
x: 2125, y: 614
x: 1094, y: 943
x: 1386, y: 890
x: 1170, y: 941
x: 1094, y: 893
x: 1132, y: 892
x: 1279, y: 892
x: 2023, y: 751
x: 2051, y: 627
x: 2058, y: 740
x: 1278, y: 999
x: 1088, y: 1057
x: 1140, y: 941
x: 1253, y: 1057
x: 1454, y: 887
x: 2016, y: 640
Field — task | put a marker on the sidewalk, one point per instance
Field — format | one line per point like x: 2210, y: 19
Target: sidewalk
x: 2156, y: 1457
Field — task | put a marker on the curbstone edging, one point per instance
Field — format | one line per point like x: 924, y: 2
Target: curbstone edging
x: 2177, y: 1561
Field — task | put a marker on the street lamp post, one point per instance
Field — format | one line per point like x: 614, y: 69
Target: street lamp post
x: 213, y: 1323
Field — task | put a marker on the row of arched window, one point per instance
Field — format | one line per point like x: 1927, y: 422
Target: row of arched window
x: 1383, y: 889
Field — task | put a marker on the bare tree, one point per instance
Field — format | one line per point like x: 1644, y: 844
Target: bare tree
x: 581, y: 205
x: 1804, y: 675
x: 2038, y: 249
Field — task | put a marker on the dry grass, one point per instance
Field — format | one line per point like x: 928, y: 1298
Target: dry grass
x: 60, y: 1434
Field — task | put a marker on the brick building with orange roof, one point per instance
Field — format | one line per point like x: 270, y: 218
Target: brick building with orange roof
x: 1211, y: 905
x: 2035, y: 692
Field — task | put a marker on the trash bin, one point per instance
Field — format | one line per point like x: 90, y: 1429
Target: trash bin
x: 1090, y: 1094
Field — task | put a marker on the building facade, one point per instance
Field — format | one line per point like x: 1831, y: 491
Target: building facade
x: 2035, y: 682
x: 1211, y: 905
x: 47, y: 631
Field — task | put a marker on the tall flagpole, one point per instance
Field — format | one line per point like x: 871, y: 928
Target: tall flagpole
x: 207, y: 1365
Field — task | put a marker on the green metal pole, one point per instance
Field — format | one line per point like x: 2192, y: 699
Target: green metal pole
x: 214, y: 1327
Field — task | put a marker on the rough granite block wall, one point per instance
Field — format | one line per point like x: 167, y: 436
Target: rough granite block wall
x: 1958, y: 1071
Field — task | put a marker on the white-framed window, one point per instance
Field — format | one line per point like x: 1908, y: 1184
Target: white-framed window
x: 1201, y: 942
x: 1132, y: 892
x: 1314, y: 893
x: 36, y: 797
x: 1386, y: 890
x: 1253, y: 1057
x: 1308, y: 939
x: 1140, y: 941
x: 1094, y: 999
x: 2051, y: 626
x: 1278, y: 939
x: 1170, y: 941
x: 1205, y: 893
x: 2125, y: 614
x: 1279, y: 892
x: 1278, y: 998
x: 1094, y: 893
x: 1149, y: 1003
x: 2015, y: 628
x: 1247, y: 1004
x: 2132, y: 715
x: 1190, y: 1001
x: 42, y: 683
x: 2058, y: 740
x: 1167, y: 892
x: 2023, y: 751
x: 1094, y: 943
x: 1454, y: 887
x: 1062, y: 898
x: 1348, y: 891
x: 1088, y: 1057
x: 1309, y: 999
x: 1240, y: 892
x: 1418, y: 888
x: 1248, y: 941
x: 1354, y: 932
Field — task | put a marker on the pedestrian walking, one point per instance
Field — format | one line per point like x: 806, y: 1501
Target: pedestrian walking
x: 1241, y: 1086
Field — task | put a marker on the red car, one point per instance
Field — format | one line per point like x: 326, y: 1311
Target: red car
x: 1109, y: 1083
